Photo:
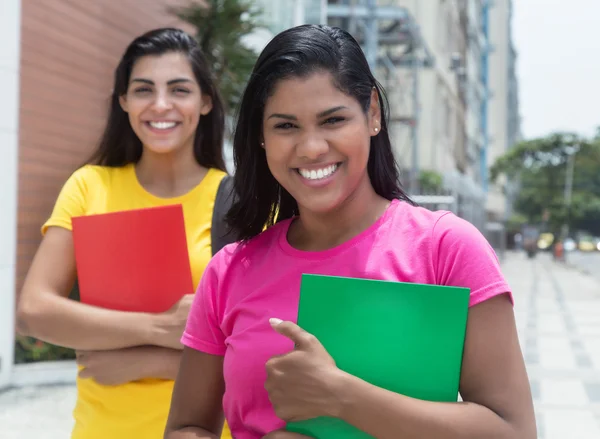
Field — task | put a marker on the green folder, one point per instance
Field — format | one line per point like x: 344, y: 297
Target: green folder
x: 403, y: 337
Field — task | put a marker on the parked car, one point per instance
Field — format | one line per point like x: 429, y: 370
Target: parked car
x: 589, y: 244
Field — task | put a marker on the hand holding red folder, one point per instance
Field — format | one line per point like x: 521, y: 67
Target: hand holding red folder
x: 134, y: 260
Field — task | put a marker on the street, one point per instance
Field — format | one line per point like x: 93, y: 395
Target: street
x: 557, y: 310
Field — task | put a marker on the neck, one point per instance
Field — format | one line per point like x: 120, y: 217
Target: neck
x: 171, y: 174
x: 314, y: 231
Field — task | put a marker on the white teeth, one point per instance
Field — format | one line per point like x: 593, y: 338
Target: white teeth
x: 162, y: 125
x: 319, y: 173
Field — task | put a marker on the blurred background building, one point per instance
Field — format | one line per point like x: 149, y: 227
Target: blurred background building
x: 448, y: 67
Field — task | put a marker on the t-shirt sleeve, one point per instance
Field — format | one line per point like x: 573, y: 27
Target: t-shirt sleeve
x: 71, y: 201
x: 462, y: 257
x: 203, y: 331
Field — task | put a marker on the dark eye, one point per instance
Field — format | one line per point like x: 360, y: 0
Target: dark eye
x: 334, y: 120
x: 284, y: 126
x: 142, y: 90
x: 180, y: 90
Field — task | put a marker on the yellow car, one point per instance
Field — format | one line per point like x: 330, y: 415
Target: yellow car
x: 587, y: 246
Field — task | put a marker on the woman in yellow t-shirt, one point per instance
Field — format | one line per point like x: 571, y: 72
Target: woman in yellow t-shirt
x: 162, y: 145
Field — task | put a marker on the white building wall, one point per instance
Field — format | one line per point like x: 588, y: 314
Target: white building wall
x: 440, y: 107
x: 475, y: 88
x: 442, y: 114
x: 498, y: 105
x: 10, y: 27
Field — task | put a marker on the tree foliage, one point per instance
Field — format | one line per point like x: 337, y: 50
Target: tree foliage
x: 539, y: 168
x: 221, y: 26
x: 430, y: 182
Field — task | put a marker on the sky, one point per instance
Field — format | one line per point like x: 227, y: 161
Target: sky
x: 558, y: 65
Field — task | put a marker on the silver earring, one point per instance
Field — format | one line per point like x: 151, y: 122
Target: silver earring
x: 262, y: 143
x: 376, y: 129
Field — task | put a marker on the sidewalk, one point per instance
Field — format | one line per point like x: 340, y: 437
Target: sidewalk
x: 43, y: 412
x: 558, y: 316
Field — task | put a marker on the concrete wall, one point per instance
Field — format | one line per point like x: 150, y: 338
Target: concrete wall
x: 10, y: 13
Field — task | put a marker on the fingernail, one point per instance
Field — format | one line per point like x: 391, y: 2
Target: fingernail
x: 273, y: 321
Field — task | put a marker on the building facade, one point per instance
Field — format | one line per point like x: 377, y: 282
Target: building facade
x: 440, y: 110
x: 449, y: 101
x: 504, y: 115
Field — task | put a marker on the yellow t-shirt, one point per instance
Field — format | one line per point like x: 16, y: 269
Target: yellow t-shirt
x: 137, y: 409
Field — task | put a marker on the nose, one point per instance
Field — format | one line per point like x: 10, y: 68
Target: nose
x: 312, y: 146
x: 162, y: 102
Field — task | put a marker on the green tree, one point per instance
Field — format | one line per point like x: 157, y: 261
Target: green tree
x: 430, y: 182
x: 540, y: 168
x: 221, y: 26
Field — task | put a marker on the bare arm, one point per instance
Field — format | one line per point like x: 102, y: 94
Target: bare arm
x: 494, y: 386
x: 45, y: 311
x: 196, y: 407
x: 120, y: 366
x: 166, y: 363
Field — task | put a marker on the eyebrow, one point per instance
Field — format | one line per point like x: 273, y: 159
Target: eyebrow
x: 170, y: 82
x: 320, y: 115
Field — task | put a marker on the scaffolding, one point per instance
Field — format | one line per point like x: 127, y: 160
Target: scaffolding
x: 392, y: 40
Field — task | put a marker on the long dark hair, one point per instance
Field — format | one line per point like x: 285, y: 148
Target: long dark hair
x: 298, y: 52
x: 119, y: 145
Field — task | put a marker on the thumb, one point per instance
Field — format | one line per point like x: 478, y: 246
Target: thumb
x: 299, y: 336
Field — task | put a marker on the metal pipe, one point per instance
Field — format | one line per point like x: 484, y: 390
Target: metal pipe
x: 372, y: 34
x: 414, y: 174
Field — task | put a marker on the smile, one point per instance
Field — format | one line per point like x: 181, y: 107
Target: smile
x: 162, y: 125
x: 318, y: 174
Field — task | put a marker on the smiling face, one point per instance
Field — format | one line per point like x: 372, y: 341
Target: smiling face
x: 164, y: 102
x: 317, y: 141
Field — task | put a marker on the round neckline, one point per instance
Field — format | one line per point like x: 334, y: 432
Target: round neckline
x: 323, y: 254
x: 176, y: 199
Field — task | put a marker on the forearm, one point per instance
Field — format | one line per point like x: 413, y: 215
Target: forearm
x: 384, y: 414
x: 166, y: 363
x: 68, y: 323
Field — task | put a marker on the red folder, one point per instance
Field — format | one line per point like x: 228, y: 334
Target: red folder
x: 135, y: 260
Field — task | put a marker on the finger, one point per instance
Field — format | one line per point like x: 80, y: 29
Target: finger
x: 283, y: 434
x: 299, y: 336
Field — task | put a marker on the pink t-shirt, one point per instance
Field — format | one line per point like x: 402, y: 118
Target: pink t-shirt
x: 245, y: 285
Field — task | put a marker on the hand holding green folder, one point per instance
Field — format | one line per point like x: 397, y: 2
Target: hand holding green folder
x: 406, y: 338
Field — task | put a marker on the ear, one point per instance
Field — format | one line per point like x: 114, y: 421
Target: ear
x: 123, y: 102
x: 207, y: 105
x: 374, y: 113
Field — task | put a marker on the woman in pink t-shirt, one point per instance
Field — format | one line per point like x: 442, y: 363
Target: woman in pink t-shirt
x: 315, y: 164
